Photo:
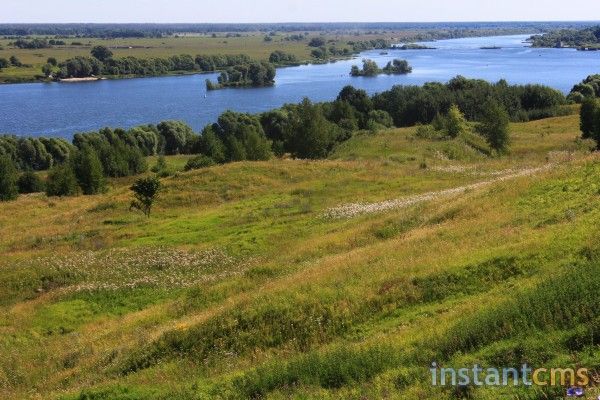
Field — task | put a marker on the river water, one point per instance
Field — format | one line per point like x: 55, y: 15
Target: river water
x: 62, y: 109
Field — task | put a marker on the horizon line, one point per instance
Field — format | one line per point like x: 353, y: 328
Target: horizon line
x: 304, y: 22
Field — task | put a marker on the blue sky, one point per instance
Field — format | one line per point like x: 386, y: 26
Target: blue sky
x: 295, y: 10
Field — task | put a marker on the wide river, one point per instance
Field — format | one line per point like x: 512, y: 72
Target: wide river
x: 62, y: 109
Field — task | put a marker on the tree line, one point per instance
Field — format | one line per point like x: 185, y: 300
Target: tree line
x: 588, y: 88
x: 103, y: 62
x: 306, y: 130
x: 430, y: 30
x: 239, y: 70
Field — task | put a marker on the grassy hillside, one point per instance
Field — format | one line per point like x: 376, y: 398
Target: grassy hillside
x: 335, y: 279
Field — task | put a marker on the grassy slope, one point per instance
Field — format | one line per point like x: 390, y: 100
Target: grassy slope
x: 238, y: 287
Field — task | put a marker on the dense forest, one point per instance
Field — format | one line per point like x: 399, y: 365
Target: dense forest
x: 579, y: 38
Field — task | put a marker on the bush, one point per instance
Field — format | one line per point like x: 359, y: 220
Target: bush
x: 199, y: 162
x: 161, y: 168
x: 454, y: 122
x: 379, y: 119
x: 62, y: 181
x: 30, y: 182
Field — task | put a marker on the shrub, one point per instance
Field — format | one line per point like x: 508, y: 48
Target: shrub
x: 62, y: 181
x: 198, y: 162
x: 161, y: 168
x: 454, y: 122
x: 379, y: 119
x: 30, y: 182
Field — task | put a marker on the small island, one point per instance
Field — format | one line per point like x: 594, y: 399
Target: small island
x: 370, y: 68
x: 245, y: 75
x: 412, y: 46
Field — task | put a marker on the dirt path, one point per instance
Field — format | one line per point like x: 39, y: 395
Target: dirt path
x: 352, y: 210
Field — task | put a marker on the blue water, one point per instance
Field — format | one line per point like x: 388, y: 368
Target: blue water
x: 61, y: 109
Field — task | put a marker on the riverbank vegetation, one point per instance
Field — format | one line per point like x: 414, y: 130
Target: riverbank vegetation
x: 370, y: 68
x: 156, y: 41
x: 306, y: 130
x: 102, y: 62
x: 583, y: 39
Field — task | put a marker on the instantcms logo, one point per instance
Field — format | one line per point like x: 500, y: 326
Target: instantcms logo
x: 525, y: 375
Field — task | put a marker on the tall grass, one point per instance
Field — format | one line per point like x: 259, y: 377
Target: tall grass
x: 332, y: 369
x: 562, y: 301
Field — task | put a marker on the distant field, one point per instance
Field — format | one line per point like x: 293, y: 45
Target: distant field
x: 239, y: 286
x: 252, y: 44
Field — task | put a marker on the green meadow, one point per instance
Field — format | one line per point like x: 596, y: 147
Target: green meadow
x: 342, y: 278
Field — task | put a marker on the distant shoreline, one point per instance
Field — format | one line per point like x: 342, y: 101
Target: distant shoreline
x: 86, y: 79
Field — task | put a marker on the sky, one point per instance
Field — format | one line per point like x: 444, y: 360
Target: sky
x: 210, y: 11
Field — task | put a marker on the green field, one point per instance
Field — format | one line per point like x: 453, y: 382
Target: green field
x: 297, y: 279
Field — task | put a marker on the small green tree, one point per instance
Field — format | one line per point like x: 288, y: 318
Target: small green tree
x: 8, y: 179
x: 145, y: 192
x: 455, y: 122
x: 494, y: 126
x: 30, y: 182
x: 62, y: 181
x: 88, y: 170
